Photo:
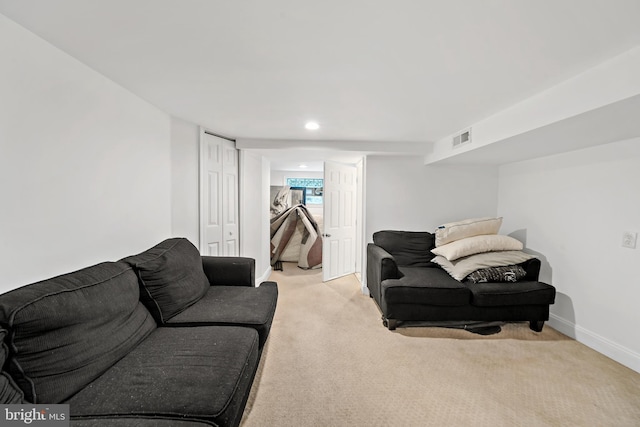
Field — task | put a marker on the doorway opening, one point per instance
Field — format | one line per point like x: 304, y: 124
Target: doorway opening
x: 315, y: 214
x: 297, y: 216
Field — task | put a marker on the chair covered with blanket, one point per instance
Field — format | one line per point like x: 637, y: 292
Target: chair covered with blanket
x: 295, y: 237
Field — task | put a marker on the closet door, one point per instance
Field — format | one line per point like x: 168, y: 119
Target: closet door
x: 218, y: 196
x: 230, y: 201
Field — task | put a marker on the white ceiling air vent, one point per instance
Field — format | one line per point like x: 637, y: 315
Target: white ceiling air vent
x: 461, y: 138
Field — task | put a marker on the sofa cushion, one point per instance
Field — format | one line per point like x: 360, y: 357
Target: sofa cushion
x: 171, y: 276
x: 150, y: 421
x: 507, y: 273
x: 233, y: 305
x: 462, y: 267
x: 452, y: 231
x: 202, y: 373
x: 431, y: 286
x: 520, y: 293
x: 9, y: 391
x: 408, y: 248
x: 66, y: 331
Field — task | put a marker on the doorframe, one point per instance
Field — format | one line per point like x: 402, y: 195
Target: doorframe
x: 361, y: 237
x: 201, y: 187
x: 361, y: 224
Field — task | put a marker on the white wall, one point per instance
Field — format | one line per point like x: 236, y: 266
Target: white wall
x: 572, y: 209
x: 85, y: 172
x: 254, y: 211
x: 185, y: 152
x: 279, y: 177
x: 404, y: 194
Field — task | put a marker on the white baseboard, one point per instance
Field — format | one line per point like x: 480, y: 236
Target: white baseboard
x: 264, y: 277
x: 615, y: 351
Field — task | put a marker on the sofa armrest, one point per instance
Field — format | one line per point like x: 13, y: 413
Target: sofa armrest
x: 380, y: 266
x: 229, y: 271
x: 532, y: 267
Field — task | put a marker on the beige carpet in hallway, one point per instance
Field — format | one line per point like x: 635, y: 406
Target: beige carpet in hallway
x: 330, y: 362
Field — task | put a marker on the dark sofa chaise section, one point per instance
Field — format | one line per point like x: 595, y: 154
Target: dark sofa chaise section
x: 407, y: 286
x: 163, y: 338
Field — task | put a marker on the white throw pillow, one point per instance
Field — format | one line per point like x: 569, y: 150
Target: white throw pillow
x: 462, y: 267
x: 477, y: 244
x: 452, y: 231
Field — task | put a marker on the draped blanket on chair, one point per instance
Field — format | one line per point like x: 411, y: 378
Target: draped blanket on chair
x: 292, y: 229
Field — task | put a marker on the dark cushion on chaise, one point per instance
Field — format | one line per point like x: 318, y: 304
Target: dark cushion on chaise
x: 66, y: 331
x: 233, y: 305
x: 491, y: 294
x: 202, y: 373
x: 171, y: 277
x: 420, y: 285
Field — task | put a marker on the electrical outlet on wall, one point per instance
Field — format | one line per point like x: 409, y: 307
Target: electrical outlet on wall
x: 629, y: 239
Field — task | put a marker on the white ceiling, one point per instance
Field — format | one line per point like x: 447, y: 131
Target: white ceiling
x: 366, y: 70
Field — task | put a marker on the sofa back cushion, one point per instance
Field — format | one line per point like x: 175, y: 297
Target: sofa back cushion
x: 9, y: 391
x: 408, y: 248
x: 66, y: 331
x: 171, y: 277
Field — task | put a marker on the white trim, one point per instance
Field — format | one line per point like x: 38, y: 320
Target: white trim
x: 613, y: 350
x: 201, y: 201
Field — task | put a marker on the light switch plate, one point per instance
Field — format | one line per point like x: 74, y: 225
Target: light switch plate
x: 629, y: 239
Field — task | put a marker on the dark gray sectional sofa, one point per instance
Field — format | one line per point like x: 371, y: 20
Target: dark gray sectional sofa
x: 407, y: 286
x: 162, y: 338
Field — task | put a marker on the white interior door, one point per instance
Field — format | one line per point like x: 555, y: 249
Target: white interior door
x: 339, y: 237
x: 230, y: 199
x: 218, y: 197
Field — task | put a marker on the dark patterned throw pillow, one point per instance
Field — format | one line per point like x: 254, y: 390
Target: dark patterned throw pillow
x: 507, y: 273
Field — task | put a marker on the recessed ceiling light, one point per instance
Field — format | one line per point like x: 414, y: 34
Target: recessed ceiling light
x: 303, y: 166
x: 312, y: 126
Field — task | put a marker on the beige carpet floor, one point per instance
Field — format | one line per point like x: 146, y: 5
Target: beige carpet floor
x: 330, y: 362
